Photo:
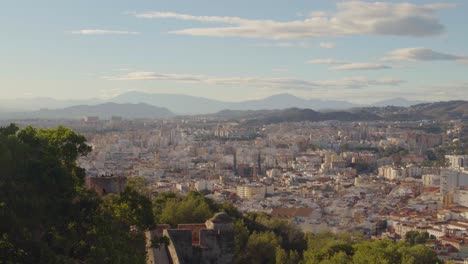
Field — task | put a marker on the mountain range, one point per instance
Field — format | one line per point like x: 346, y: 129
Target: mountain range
x: 427, y: 111
x: 443, y: 111
x: 186, y: 104
x: 104, y: 111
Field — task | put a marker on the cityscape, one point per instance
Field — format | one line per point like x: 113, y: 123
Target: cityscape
x: 179, y: 137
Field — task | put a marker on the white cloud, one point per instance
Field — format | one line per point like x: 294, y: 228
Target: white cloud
x: 360, y: 82
x: 327, y: 45
x: 349, y: 66
x: 421, y: 54
x: 268, y: 82
x: 102, y: 32
x: 360, y: 66
x: 284, y: 44
x: 326, y: 61
x: 350, y: 18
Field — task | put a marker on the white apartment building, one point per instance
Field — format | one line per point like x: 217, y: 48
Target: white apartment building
x: 431, y: 180
x: 457, y: 161
x: 451, y: 180
x: 251, y: 191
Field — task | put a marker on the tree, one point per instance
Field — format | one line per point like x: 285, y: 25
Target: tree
x: 46, y: 214
x: 338, y: 258
x: 189, y: 210
x: 139, y: 184
x: 419, y: 254
x: 415, y: 237
x: 132, y: 208
x: 241, y: 236
x: 261, y: 248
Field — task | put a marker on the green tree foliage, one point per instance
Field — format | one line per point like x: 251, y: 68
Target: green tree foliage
x: 139, y: 184
x: 324, y: 246
x: 261, y: 248
x: 386, y: 251
x: 46, y: 214
x: 94, y: 235
x: 132, y: 208
x: 327, y: 248
x: 193, y: 208
x: 415, y: 237
x: 283, y: 257
x: 241, y: 236
x: 291, y: 237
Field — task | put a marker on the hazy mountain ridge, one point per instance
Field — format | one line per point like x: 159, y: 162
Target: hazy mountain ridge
x: 398, y: 101
x: 104, y: 111
x: 276, y: 108
x: 447, y: 110
x: 35, y: 104
x: 428, y: 111
x: 265, y: 117
x: 186, y: 104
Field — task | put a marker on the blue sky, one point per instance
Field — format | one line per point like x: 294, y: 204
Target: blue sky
x: 360, y: 51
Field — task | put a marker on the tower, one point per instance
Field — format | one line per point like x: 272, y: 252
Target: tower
x: 235, y: 162
x: 259, y: 163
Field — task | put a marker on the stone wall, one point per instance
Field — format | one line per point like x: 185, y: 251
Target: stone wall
x: 106, y: 184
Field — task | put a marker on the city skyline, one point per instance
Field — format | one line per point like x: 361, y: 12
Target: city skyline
x: 358, y: 51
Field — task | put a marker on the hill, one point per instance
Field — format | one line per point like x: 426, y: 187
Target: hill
x: 104, y: 111
x: 193, y: 105
x: 185, y: 104
x: 443, y: 111
x: 449, y: 110
x: 399, y: 101
x: 265, y: 117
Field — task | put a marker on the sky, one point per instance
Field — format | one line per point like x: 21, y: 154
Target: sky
x: 358, y: 51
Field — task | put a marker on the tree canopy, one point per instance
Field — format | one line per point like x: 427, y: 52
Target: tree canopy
x: 46, y: 214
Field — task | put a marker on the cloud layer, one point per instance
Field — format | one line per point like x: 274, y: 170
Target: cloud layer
x: 326, y: 61
x: 349, y: 66
x: 360, y: 66
x: 421, y: 54
x: 102, y: 32
x: 350, y: 18
x: 327, y: 45
x: 266, y: 82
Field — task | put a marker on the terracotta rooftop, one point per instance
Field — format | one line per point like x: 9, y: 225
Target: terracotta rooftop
x: 291, y: 212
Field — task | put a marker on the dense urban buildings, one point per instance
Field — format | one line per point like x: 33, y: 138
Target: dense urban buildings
x: 382, y: 179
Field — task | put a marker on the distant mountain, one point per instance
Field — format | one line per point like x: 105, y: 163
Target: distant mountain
x: 34, y: 104
x: 285, y: 101
x: 265, y: 117
x: 177, y: 103
x: 429, y: 111
x: 450, y: 110
x: 104, y: 111
x: 441, y: 110
x: 185, y: 104
x: 398, y: 101
x: 192, y: 105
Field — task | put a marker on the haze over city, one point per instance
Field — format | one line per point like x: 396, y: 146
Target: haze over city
x: 359, y: 51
